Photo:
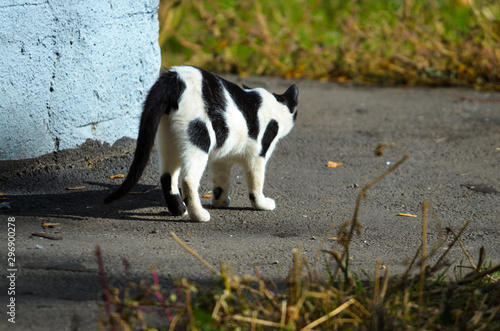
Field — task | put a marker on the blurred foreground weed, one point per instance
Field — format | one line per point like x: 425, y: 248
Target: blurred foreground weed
x: 403, y: 42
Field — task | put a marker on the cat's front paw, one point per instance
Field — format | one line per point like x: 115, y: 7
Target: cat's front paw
x: 200, y: 215
x: 262, y: 203
x: 221, y: 203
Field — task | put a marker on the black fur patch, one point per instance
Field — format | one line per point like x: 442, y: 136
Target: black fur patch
x: 198, y: 134
x: 295, y: 116
x: 174, y: 201
x: 166, y: 92
x: 215, y: 104
x: 269, y: 135
x: 248, y: 103
x: 289, y: 98
x: 217, y: 192
x: 251, y: 196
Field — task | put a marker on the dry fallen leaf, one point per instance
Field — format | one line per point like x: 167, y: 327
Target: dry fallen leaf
x: 47, y: 224
x: 333, y: 164
x: 117, y: 176
x: 207, y: 196
x: 3, y: 194
x: 407, y: 215
x: 75, y: 188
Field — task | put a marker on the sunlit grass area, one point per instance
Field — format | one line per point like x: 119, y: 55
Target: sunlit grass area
x: 393, y: 42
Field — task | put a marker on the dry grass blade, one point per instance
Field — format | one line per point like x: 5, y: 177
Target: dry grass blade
x: 438, y: 263
x: 463, y: 248
x: 189, y: 304
x: 377, y: 282
x: 334, y: 312
x: 475, y: 276
x: 192, y: 252
x: 318, y: 250
x: 355, y: 225
x: 424, y: 254
x: 283, y: 313
x: 254, y: 320
x: 384, y: 286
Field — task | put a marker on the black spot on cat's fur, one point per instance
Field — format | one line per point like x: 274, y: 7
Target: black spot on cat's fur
x: 289, y: 98
x: 251, y: 196
x: 246, y: 87
x: 174, y: 201
x: 295, y: 116
x: 198, y: 134
x: 217, y: 192
x: 248, y: 102
x: 215, y: 104
x: 166, y: 92
x: 269, y: 135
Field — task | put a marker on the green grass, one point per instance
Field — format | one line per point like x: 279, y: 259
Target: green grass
x: 412, y: 42
x: 424, y: 297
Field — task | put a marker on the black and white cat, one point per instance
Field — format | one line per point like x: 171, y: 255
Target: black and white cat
x: 199, y: 117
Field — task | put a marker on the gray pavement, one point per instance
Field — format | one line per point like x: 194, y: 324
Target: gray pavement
x: 452, y: 137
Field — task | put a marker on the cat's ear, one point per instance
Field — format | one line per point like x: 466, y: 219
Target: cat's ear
x: 292, y: 94
x: 245, y: 87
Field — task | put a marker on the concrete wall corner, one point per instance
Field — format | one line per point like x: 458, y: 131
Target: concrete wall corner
x: 73, y: 70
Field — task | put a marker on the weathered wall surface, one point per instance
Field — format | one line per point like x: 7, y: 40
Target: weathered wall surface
x: 73, y: 70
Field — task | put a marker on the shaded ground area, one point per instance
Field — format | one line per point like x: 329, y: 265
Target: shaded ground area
x: 452, y: 136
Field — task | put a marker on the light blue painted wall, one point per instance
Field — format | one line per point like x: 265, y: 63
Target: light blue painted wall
x: 73, y: 70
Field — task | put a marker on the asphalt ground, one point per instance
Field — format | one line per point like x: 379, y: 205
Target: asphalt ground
x: 452, y: 137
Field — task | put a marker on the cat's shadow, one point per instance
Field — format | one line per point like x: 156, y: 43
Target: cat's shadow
x: 209, y: 206
x: 85, y: 203
x: 146, y: 203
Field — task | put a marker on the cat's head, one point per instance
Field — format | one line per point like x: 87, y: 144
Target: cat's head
x: 290, y: 99
x: 287, y: 104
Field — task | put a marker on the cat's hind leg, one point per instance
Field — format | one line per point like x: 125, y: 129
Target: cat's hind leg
x: 170, y: 165
x: 254, y: 172
x: 193, y: 166
x: 221, y: 173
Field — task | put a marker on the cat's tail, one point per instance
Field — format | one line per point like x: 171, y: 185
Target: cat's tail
x: 162, y: 98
